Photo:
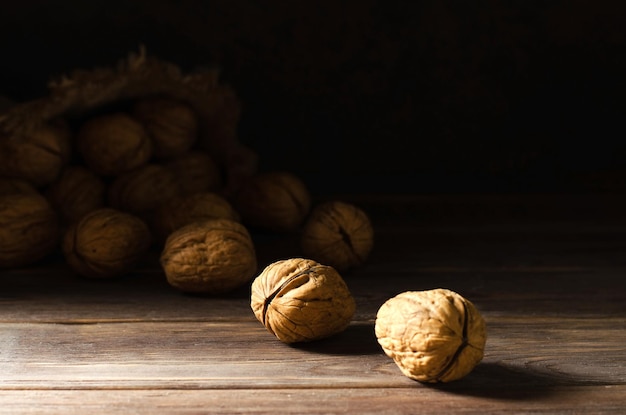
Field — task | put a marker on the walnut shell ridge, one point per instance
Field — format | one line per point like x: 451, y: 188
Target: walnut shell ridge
x: 433, y: 336
x: 106, y: 243
x: 339, y: 234
x: 113, y: 144
x: 29, y: 229
x: 211, y: 257
x: 301, y: 300
x: 183, y: 210
x: 39, y: 156
x: 171, y: 124
x: 276, y: 201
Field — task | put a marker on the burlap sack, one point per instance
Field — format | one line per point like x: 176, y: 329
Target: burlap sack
x: 138, y: 76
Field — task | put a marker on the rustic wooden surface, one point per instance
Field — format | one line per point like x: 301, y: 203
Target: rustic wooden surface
x: 546, y: 271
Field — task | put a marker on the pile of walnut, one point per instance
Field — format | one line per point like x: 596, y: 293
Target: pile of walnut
x: 105, y: 189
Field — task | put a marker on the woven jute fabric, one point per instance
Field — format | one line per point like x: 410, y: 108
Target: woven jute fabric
x: 139, y: 75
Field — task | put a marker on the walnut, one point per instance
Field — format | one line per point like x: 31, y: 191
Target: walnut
x: 211, y: 257
x: 433, y: 336
x: 39, y: 156
x: 142, y: 190
x: 105, y: 243
x: 183, y: 210
x: 11, y: 186
x: 78, y: 191
x: 338, y: 234
x: 196, y: 171
x: 172, y: 125
x: 274, y: 201
x: 112, y: 144
x: 29, y: 229
x: 301, y: 300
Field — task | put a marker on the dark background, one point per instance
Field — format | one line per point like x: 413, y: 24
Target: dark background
x: 402, y: 96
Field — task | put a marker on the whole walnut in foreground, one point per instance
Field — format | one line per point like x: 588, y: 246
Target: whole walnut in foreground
x: 183, y: 210
x: 211, y: 257
x: 301, y: 300
x: 29, y: 229
x: 338, y: 234
x: 112, y: 144
x: 105, y: 243
x: 171, y: 124
x: 433, y: 336
x: 39, y: 156
x: 275, y: 201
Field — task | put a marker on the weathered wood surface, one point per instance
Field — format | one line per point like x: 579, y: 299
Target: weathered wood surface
x: 552, y: 289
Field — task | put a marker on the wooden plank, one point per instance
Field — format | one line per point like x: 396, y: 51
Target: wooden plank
x: 522, y: 352
x: 406, y: 400
x: 58, y: 296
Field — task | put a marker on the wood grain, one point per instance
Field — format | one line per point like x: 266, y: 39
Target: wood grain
x: 553, y: 295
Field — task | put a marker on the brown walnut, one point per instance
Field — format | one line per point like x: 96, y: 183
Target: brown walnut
x: 11, y: 186
x: 172, y: 125
x: 39, y: 156
x: 338, y: 234
x: 105, y: 243
x: 112, y: 144
x: 433, y: 336
x: 275, y: 201
x: 212, y: 257
x: 29, y: 229
x: 196, y: 171
x: 183, y: 210
x: 301, y: 300
x: 78, y: 191
x: 142, y: 190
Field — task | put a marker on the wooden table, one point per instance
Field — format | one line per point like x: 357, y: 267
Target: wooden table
x: 547, y: 272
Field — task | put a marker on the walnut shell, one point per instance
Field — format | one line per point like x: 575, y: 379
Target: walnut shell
x: 112, y: 144
x: 39, y: 156
x: 197, y: 172
x: 211, y: 257
x: 105, y: 243
x: 77, y: 192
x: 171, y: 124
x: 29, y: 229
x: 274, y: 201
x: 338, y: 234
x: 11, y: 186
x: 183, y: 210
x: 301, y: 300
x: 433, y: 336
x: 142, y: 190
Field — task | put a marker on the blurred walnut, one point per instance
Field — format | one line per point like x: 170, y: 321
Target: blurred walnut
x: 113, y: 144
x: 78, y: 191
x: 144, y: 189
x: 39, y: 156
x: 196, y: 171
x: 433, y: 336
x: 338, y: 234
x: 300, y: 300
x: 29, y: 229
x: 172, y: 125
x: 11, y: 186
x: 105, y: 243
x: 183, y: 210
x: 275, y: 201
x: 211, y: 257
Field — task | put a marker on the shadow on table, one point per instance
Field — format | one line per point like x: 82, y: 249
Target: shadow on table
x: 501, y: 381
x: 356, y: 339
